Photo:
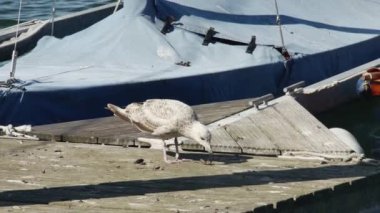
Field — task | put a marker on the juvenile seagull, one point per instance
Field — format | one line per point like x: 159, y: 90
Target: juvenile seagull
x: 166, y: 119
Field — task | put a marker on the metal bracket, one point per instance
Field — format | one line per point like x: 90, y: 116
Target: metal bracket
x: 184, y: 63
x: 294, y: 88
x: 168, y: 25
x: 284, y: 52
x: 209, y: 35
x: 10, y: 83
x: 261, y: 100
x: 252, y: 45
x: 14, y: 62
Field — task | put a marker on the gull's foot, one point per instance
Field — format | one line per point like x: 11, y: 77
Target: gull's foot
x: 209, y: 160
x: 178, y: 161
x: 206, y: 162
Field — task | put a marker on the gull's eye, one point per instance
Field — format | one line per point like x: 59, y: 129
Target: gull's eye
x: 202, y: 138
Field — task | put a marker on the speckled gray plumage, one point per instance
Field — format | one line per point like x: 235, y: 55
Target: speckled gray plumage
x: 166, y: 119
x: 162, y: 117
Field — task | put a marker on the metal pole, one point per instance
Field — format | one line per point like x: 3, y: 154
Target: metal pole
x: 52, y: 17
x: 117, y: 6
x: 14, y: 53
x: 278, y: 21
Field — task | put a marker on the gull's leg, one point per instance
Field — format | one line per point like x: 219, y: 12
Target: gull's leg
x: 210, y: 157
x: 176, y: 149
x: 177, y: 160
x: 164, y: 152
x: 165, y: 155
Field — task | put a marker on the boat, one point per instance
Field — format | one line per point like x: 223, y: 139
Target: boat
x: 193, y: 51
x: 30, y: 32
x: 335, y: 91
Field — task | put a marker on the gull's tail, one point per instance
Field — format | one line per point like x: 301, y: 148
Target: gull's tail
x: 118, y: 112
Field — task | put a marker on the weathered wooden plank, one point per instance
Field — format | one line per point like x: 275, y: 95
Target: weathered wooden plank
x: 72, y: 125
x: 221, y: 141
x: 123, y: 139
x: 208, y: 113
x: 278, y: 130
x: 57, y: 177
x: 311, y: 128
x: 101, y: 126
x: 120, y: 140
x: 283, y: 126
x: 191, y: 145
x: 79, y: 139
x: 54, y: 128
x: 113, y: 131
x: 250, y: 138
x: 49, y: 137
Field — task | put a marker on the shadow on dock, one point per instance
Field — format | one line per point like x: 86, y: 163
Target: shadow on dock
x: 142, y: 187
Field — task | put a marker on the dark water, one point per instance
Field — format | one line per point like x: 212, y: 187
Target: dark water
x: 361, y: 117
x: 41, y: 9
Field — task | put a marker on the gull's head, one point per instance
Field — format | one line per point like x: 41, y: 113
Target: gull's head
x: 202, y: 135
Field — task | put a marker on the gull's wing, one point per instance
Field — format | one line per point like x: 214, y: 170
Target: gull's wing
x: 166, y: 112
x: 132, y: 114
x: 157, y: 116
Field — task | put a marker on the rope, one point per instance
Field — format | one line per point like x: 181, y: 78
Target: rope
x: 19, y: 132
x: 307, y: 155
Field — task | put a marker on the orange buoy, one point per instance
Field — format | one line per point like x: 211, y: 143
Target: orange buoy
x: 375, y: 87
x: 372, y: 78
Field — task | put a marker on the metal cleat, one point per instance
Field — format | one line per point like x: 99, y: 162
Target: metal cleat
x: 168, y: 27
x: 294, y: 88
x: 263, y: 100
x: 209, y: 36
x: 252, y: 45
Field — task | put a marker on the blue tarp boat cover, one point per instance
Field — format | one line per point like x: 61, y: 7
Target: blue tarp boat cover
x: 126, y: 57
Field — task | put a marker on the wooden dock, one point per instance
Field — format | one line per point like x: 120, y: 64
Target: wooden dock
x: 40, y: 176
x: 113, y: 131
x: 88, y: 176
x: 279, y: 127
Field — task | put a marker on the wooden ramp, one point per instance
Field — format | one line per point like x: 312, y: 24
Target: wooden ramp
x: 113, y: 131
x: 281, y: 126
